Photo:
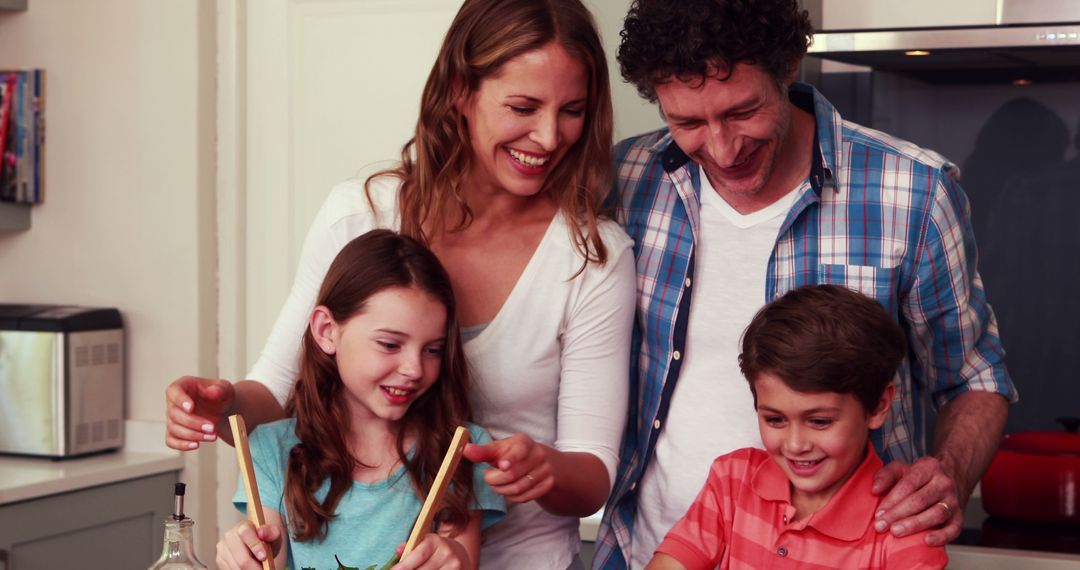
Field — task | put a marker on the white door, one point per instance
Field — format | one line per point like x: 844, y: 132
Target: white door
x: 309, y: 92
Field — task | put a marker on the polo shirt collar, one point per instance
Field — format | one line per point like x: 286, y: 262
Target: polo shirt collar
x: 848, y: 513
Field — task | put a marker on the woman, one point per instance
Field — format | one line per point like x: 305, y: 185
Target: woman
x: 503, y: 179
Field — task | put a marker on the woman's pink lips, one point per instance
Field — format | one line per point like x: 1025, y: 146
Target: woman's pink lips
x: 525, y: 169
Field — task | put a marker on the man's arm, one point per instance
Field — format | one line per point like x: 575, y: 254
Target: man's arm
x: 948, y: 315
x: 966, y: 435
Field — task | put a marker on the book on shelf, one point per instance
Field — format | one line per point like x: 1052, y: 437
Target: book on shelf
x: 22, y: 138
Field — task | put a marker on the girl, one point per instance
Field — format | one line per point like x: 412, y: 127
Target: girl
x: 504, y: 180
x: 382, y: 385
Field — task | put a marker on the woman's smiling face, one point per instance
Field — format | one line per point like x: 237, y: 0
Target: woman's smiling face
x: 523, y: 119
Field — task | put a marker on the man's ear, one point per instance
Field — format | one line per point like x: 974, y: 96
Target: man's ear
x: 793, y: 72
x: 877, y: 418
x: 324, y: 329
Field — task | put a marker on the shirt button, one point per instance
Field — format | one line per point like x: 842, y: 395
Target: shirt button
x: 676, y: 355
x: 782, y: 551
x: 687, y: 282
x: 656, y: 424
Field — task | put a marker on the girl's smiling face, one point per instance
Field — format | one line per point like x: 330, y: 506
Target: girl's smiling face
x: 818, y: 439
x: 389, y: 353
x: 523, y: 119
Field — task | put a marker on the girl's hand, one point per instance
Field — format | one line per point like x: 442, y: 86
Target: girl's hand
x: 193, y: 408
x: 435, y: 552
x: 522, y: 469
x: 244, y: 547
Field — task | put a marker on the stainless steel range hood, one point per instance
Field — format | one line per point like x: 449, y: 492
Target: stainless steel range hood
x: 950, y: 35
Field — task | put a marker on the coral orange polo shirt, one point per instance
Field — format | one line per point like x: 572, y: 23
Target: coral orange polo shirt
x: 742, y: 518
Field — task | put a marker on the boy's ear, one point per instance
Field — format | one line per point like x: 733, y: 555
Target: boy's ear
x: 877, y: 417
x: 324, y: 329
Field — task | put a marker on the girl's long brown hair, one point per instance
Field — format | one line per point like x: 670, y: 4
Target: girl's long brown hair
x: 371, y: 263
x: 485, y: 35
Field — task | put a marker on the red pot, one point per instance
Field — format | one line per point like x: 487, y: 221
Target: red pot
x: 1035, y: 477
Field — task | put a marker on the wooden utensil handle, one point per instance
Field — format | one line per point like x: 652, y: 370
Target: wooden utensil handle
x: 438, y: 489
x: 251, y: 486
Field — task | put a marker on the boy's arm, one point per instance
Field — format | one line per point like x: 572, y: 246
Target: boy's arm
x: 697, y: 540
x: 912, y: 552
x: 664, y: 562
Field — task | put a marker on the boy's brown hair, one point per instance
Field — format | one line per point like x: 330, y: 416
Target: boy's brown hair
x: 824, y: 338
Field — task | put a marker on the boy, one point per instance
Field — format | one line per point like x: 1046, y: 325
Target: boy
x: 820, y: 362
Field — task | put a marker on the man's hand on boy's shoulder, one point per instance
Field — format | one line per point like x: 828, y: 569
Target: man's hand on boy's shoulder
x: 920, y: 496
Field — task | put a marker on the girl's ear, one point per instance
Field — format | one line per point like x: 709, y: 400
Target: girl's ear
x: 877, y: 417
x: 324, y: 329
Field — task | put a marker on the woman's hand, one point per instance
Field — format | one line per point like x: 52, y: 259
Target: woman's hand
x: 194, y: 407
x: 244, y: 547
x: 522, y: 471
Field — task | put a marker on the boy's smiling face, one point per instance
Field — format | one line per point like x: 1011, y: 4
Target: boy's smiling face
x: 818, y: 439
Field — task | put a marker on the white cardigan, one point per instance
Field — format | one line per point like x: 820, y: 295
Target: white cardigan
x: 552, y: 364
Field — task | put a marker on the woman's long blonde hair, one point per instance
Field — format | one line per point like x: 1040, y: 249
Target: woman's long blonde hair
x: 485, y: 35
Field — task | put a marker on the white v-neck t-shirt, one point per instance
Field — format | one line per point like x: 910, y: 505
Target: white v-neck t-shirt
x: 712, y: 409
x: 552, y: 364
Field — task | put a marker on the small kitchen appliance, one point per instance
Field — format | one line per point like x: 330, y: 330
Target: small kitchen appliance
x: 61, y: 380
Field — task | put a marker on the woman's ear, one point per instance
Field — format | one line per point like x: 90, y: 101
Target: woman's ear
x: 461, y: 96
x: 877, y: 418
x: 324, y: 329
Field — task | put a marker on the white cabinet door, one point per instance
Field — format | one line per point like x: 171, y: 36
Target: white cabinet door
x: 309, y: 92
x: 321, y: 88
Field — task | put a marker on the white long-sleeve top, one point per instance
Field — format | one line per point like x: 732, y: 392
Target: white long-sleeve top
x: 552, y: 364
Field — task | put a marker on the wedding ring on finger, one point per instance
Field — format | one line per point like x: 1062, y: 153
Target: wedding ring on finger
x: 948, y: 509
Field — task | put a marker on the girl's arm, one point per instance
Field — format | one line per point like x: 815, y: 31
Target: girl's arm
x: 244, y: 546
x: 440, y: 550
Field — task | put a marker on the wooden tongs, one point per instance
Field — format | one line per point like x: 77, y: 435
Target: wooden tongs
x: 438, y: 489
x: 251, y: 487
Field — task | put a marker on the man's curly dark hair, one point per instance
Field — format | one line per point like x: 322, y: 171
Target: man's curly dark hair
x: 691, y: 39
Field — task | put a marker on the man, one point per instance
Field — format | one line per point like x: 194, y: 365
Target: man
x: 756, y: 187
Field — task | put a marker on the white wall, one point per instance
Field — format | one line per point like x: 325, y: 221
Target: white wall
x: 128, y: 219
x: 633, y: 115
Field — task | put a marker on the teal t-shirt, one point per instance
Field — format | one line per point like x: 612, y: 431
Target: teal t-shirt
x: 372, y: 518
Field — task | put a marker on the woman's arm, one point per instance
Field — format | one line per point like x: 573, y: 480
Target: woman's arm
x: 197, y: 410
x: 574, y: 477
x: 563, y: 483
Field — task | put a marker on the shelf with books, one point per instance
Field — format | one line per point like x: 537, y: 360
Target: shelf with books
x: 14, y: 217
x: 12, y: 5
x: 22, y: 145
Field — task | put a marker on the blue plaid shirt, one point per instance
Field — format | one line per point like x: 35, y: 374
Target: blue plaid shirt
x: 877, y: 214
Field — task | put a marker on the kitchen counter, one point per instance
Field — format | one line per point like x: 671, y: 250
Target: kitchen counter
x: 144, y: 454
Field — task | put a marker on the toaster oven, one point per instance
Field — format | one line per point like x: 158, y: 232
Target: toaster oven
x: 61, y: 380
